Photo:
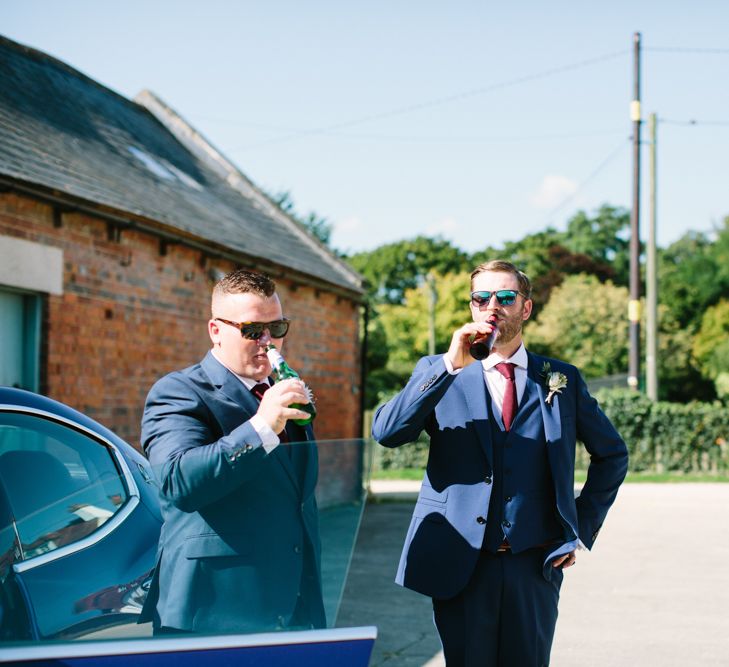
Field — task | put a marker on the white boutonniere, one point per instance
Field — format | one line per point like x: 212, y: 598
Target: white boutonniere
x: 555, y: 382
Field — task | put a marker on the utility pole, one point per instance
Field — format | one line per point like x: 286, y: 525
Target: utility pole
x: 651, y: 355
x: 634, y: 303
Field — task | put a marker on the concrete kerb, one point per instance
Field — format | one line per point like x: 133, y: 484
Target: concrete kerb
x: 393, y: 490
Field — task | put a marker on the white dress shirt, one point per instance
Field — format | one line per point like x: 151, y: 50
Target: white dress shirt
x: 496, y: 382
x: 269, y: 439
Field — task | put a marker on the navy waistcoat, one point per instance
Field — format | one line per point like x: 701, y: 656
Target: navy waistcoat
x: 523, y: 508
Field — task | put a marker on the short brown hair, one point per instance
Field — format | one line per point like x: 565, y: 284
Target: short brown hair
x: 502, y: 266
x: 242, y: 281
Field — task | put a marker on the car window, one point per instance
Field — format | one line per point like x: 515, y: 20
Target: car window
x: 60, y: 484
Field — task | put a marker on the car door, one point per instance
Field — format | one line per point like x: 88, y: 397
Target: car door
x: 79, y: 545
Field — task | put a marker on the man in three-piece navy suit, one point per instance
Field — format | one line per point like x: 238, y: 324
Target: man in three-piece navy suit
x: 496, y: 521
x: 239, y: 548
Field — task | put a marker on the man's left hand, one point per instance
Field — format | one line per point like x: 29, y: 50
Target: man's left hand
x: 568, y: 560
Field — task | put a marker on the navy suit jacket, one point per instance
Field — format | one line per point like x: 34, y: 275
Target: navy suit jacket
x: 447, y: 529
x: 240, y: 525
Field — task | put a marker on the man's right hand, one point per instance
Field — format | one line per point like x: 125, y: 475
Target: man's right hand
x: 458, y: 353
x: 274, y: 408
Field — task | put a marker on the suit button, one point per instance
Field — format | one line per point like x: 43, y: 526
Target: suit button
x: 488, y: 479
x: 506, y: 524
x: 508, y: 499
x: 302, y: 507
x: 297, y: 549
x: 480, y: 520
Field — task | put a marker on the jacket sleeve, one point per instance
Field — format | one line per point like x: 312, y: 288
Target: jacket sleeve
x: 402, y: 419
x: 194, y: 466
x: 608, y: 464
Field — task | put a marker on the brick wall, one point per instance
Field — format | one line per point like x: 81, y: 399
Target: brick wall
x: 128, y: 315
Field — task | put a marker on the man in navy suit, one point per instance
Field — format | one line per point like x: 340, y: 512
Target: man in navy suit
x: 496, y: 522
x: 239, y: 548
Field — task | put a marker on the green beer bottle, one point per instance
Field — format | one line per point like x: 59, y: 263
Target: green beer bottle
x: 282, y: 371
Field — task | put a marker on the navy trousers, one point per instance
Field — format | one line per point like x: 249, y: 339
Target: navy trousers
x: 504, y: 617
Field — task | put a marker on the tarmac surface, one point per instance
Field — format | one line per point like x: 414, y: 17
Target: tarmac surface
x: 654, y: 592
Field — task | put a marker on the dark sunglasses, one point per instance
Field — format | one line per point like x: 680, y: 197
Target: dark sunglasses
x: 254, y: 330
x: 505, y: 297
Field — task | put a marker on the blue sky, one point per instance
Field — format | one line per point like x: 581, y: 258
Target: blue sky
x: 479, y: 121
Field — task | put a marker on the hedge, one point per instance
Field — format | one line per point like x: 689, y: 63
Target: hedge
x: 661, y: 436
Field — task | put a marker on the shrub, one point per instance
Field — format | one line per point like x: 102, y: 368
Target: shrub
x: 665, y: 437
x: 661, y: 436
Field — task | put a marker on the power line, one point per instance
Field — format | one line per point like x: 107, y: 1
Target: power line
x: 679, y: 49
x: 693, y: 122
x: 418, y: 138
x: 604, y: 163
x: 441, y: 100
x: 445, y: 139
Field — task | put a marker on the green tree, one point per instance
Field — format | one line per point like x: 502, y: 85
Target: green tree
x: 679, y: 378
x: 548, y: 256
x: 604, y: 237
x: 711, y: 346
x: 315, y: 224
x: 693, y: 275
x: 406, y: 325
x: 584, y: 323
x: 396, y: 267
x: 689, y: 279
x: 720, y: 255
x: 531, y: 253
x: 380, y: 381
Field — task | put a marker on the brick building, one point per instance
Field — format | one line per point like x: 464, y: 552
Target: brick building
x: 116, y: 217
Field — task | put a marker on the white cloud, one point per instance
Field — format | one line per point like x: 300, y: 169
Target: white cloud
x: 445, y: 226
x: 351, y: 224
x: 552, y: 191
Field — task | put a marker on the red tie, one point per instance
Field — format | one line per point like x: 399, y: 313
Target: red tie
x: 509, y: 408
x: 258, y: 390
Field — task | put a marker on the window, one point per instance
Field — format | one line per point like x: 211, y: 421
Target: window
x: 19, y: 333
x: 60, y: 484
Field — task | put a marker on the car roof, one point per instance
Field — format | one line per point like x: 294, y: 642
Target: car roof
x: 20, y: 398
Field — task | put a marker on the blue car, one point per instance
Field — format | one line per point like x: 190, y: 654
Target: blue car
x: 79, y: 527
x: 79, y: 522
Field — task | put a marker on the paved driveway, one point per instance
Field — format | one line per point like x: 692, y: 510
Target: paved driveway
x: 654, y: 593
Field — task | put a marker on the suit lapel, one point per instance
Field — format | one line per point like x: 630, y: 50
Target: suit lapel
x: 550, y: 413
x: 550, y: 418
x: 234, y: 390
x: 474, y: 388
x: 530, y: 393
x: 229, y: 385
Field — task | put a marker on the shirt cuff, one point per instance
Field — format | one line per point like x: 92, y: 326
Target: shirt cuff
x: 563, y: 549
x: 449, y: 366
x: 269, y: 440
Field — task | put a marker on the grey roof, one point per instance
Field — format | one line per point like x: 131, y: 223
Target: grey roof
x: 64, y: 132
